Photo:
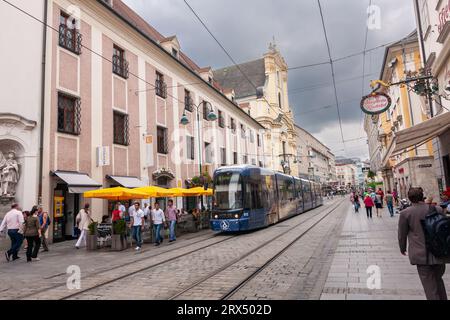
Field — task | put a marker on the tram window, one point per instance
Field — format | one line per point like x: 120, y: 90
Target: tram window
x: 253, y: 192
x: 228, y: 191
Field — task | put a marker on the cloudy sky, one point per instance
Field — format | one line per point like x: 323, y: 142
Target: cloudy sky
x: 245, y: 29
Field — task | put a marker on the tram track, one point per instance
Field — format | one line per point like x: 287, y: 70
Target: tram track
x: 234, y: 289
x: 203, y: 279
x: 202, y: 239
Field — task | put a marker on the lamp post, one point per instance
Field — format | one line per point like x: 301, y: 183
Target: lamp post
x: 210, y: 117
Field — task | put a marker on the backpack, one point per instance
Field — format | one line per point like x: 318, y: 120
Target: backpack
x: 41, y: 219
x: 436, y: 228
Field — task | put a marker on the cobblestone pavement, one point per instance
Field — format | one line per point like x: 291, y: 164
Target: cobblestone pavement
x: 364, y: 243
x: 328, y: 261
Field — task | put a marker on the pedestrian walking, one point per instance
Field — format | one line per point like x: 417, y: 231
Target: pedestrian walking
x: 44, y: 221
x: 368, y: 203
x: 410, y: 232
x: 381, y: 193
x: 137, y: 223
x: 83, y: 220
x: 395, y: 195
x: 378, y: 204
x: 389, y: 198
x: 116, y: 215
x: 13, y: 224
x: 158, y: 219
x: 172, y: 217
x: 32, y: 232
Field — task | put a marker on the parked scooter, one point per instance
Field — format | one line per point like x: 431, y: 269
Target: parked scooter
x: 403, y: 204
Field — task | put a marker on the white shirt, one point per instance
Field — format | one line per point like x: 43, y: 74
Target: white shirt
x: 137, y: 217
x: 131, y: 210
x: 147, y: 211
x: 12, y: 220
x: 122, y: 208
x: 158, y: 216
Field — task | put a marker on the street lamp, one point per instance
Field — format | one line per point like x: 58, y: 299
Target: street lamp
x: 211, y: 116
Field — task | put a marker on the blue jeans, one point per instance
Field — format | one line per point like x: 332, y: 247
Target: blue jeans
x: 137, y: 235
x: 390, y: 206
x: 157, y: 228
x: 16, y: 242
x: 172, y: 230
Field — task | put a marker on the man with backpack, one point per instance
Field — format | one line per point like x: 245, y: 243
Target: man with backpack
x: 44, y: 221
x: 424, y: 250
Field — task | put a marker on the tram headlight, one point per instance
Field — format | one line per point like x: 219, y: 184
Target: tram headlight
x: 236, y: 216
x: 216, y: 216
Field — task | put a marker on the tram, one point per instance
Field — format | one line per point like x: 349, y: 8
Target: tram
x: 248, y: 197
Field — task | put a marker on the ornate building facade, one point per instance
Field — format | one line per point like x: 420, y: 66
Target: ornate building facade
x: 260, y: 87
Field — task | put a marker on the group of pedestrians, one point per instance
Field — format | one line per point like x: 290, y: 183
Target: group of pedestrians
x: 30, y: 225
x: 137, y: 219
x: 372, y: 199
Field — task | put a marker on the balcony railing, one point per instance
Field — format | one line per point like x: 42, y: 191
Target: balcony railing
x: 120, y: 66
x: 70, y: 39
x: 161, y: 89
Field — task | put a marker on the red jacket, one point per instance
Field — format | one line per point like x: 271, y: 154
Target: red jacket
x: 368, y: 202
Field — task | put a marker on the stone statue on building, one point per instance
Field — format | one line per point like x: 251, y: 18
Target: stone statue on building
x: 9, y: 174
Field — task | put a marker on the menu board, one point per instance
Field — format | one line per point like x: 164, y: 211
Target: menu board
x: 58, y: 207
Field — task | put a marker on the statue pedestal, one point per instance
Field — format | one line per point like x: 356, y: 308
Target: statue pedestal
x: 5, y: 205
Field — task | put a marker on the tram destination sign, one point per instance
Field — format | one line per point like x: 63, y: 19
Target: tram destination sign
x: 375, y: 103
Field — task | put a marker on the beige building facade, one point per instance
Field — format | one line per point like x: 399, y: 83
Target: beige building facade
x: 265, y: 98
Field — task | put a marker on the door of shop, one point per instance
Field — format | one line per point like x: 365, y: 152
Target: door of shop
x: 65, y: 208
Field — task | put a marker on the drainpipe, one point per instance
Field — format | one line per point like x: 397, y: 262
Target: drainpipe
x: 41, y: 142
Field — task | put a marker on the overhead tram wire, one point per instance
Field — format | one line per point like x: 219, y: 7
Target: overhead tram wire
x: 332, y: 72
x: 224, y: 50
x: 361, y: 116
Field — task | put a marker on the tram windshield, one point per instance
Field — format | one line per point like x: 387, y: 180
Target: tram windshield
x: 228, y: 191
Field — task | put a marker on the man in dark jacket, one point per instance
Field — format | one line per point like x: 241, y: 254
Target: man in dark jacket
x: 430, y: 268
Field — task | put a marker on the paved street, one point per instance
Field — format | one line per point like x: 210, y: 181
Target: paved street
x: 322, y: 254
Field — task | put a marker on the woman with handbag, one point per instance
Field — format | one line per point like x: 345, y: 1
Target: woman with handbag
x: 83, y: 220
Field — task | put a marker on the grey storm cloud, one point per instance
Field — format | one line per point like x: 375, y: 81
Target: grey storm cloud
x: 245, y: 28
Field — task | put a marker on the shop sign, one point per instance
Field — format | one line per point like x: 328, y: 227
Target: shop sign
x: 375, y: 103
x: 428, y: 165
x: 103, y: 158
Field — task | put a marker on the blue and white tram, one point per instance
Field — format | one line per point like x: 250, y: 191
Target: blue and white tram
x: 249, y: 197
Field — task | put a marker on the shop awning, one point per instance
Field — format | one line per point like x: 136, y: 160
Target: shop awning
x: 77, y: 182
x: 421, y: 133
x: 128, y: 182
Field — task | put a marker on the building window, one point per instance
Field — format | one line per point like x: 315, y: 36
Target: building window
x: 160, y: 85
x: 69, y: 114
x: 120, y: 65
x: 210, y: 80
x: 258, y: 139
x: 279, y: 100
x: 162, y: 142
x: 260, y: 164
x: 121, y: 129
x: 208, y: 152
x: 232, y: 125
x: 175, y: 53
x: 244, y: 159
x: 188, y: 101
x: 235, y: 158
x: 69, y: 36
x: 252, y: 137
x: 205, y: 110
x: 190, y: 143
x: 223, y: 156
x: 221, y: 120
x: 254, y: 162
x: 242, y: 131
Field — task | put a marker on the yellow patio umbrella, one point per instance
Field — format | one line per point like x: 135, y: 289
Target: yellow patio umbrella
x: 154, y: 192
x: 199, y: 191
x: 118, y: 193
x: 177, y: 192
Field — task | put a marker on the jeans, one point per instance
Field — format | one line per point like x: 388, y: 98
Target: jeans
x: 137, y: 235
x: 16, y: 242
x: 172, y: 230
x: 356, y: 204
x: 157, y: 228
x: 35, y: 242
x: 369, y: 212
x: 390, y: 206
